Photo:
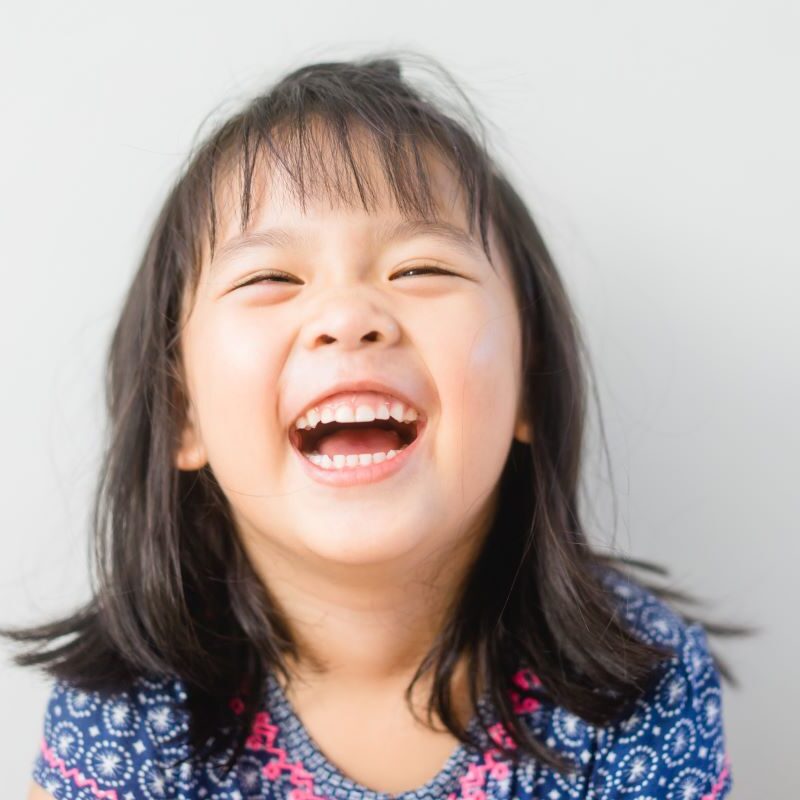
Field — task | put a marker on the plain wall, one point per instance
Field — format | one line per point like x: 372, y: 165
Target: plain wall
x: 657, y: 145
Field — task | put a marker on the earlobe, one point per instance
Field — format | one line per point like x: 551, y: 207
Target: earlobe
x: 524, y: 432
x: 191, y: 454
x: 190, y: 458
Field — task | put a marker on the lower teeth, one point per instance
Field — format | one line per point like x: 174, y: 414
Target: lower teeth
x: 343, y: 462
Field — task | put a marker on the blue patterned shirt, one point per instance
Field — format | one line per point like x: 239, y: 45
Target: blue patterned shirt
x: 672, y: 746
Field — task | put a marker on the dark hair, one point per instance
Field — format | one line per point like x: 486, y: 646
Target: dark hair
x: 173, y: 592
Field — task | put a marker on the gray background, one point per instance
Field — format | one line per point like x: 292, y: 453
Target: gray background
x: 657, y: 143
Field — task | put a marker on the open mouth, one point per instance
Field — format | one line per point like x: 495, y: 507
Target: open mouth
x: 333, y: 439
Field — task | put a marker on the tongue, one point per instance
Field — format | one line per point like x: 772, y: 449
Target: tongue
x: 354, y: 441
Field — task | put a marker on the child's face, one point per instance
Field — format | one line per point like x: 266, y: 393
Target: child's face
x: 256, y: 356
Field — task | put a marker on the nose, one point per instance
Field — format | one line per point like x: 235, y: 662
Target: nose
x: 348, y: 320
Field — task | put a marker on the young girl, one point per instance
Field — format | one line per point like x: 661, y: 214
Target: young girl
x: 339, y: 552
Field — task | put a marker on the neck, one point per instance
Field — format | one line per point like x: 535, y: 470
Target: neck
x: 366, y: 624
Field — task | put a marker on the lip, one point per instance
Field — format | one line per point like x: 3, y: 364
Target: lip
x: 372, y: 473
x: 367, y: 385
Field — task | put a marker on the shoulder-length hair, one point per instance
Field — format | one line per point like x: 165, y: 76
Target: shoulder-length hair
x: 172, y: 590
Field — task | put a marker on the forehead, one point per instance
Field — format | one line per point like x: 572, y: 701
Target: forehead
x: 304, y: 189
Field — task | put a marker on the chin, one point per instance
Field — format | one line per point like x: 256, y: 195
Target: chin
x: 362, y: 542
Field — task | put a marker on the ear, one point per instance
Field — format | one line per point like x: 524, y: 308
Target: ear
x: 523, y: 431
x: 191, y: 454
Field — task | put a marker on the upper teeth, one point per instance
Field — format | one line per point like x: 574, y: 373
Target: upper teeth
x: 346, y: 411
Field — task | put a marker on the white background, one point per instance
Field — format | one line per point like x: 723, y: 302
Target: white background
x: 657, y: 144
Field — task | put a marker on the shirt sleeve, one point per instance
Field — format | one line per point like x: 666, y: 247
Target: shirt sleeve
x: 110, y: 747
x: 673, y: 744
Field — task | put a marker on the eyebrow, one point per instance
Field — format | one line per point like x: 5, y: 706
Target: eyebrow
x: 405, y: 229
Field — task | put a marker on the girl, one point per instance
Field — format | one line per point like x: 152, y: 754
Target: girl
x: 338, y: 546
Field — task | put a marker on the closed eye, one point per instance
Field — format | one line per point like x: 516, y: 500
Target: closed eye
x: 424, y: 270
x: 267, y: 276
x: 285, y: 277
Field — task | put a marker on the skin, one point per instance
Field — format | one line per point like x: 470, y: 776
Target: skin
x: 363, y: 573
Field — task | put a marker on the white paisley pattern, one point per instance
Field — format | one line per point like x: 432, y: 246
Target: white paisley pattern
x: 133, y: 744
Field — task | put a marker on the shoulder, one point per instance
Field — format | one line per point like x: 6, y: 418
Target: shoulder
x: 672, y: 744
x: 644, y: 613
x: 111, y: 744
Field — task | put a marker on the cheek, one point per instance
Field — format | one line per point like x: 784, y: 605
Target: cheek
x: 234, y: 365
x: 490, y: 383
x: 478, y: 380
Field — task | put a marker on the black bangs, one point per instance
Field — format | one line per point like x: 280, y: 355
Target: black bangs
x: 323, y: 128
